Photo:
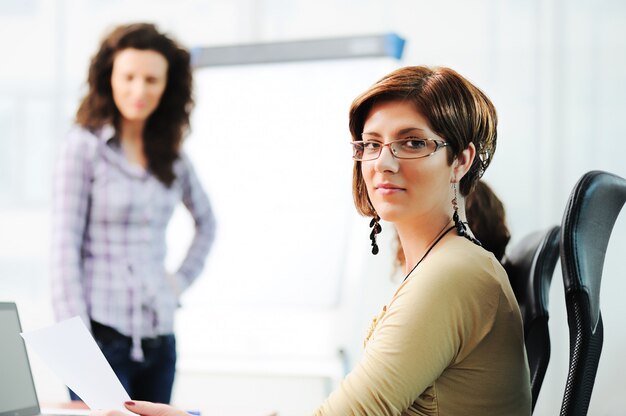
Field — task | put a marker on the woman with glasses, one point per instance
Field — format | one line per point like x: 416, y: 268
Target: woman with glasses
x: 120, y: 174
x: 450, y: 340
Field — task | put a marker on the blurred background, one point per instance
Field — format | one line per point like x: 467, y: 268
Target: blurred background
x: 279, y: 314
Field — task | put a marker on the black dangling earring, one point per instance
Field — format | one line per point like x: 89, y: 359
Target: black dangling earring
x: 376, y: 229
x: 460, y: 227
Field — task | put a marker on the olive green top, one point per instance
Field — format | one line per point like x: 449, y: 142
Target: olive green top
x: 450, y: 342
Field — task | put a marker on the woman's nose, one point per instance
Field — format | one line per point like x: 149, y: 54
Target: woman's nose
x: 139, y: 87
x: 386, y: 162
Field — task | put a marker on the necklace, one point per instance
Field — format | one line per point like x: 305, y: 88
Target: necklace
x: 433, y: 244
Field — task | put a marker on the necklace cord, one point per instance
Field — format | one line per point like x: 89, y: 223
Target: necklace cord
x: 432, y: 245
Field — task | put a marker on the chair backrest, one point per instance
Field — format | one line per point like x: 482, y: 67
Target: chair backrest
x: 592, y: 209
x: 530, y: 265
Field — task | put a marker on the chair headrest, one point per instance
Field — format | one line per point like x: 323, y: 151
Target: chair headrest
x: 592, y: 209
x: 530, y: 265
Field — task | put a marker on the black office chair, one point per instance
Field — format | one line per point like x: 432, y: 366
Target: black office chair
x: 593, y: 207
x: 530, y: 265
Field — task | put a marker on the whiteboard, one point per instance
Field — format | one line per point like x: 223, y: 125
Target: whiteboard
x: 270, y: 145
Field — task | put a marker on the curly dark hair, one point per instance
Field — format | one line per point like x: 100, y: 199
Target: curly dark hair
x: 455, y: 109
x: 167, y: 125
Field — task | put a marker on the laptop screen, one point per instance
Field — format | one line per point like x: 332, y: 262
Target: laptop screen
x: 17, y: 390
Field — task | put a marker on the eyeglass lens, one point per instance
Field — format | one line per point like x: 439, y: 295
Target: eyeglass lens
x: 402, y: 149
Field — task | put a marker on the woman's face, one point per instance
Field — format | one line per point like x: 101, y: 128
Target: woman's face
x: 405, y: 190
x: 138, y: 80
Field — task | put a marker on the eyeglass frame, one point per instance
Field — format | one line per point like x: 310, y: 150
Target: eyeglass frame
x: 439, y: 144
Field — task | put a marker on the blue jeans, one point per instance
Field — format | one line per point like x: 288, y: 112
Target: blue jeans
x: 151, y: 379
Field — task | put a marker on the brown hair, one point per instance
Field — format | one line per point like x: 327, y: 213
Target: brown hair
x: 487, y: 219
x: 456, y: 110
x: 166, y: 126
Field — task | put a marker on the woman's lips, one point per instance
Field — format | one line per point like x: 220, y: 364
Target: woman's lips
x: 388, y: 189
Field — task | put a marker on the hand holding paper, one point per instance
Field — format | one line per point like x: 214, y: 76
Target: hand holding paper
x: 73, y: 355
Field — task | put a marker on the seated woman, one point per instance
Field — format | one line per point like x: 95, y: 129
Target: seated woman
x: 487, y: 217
x: 450, y: 340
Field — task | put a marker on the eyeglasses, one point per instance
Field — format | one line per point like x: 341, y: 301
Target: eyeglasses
x: 409, y: 148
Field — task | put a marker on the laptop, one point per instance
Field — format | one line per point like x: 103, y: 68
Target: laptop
x: 17, y: 388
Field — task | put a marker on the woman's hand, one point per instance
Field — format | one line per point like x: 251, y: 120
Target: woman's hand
x: 144, y: 409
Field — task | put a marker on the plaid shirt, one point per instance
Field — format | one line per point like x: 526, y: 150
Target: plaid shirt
x: 108, y: 241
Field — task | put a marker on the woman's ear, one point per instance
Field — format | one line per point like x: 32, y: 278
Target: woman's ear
x: 464, y: 161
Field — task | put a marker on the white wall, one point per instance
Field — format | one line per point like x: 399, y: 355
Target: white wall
x: 555, y: 69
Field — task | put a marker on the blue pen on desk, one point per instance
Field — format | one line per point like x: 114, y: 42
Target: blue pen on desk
x: 194, y: 412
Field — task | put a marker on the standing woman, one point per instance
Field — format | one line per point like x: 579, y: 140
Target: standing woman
x: 120, y: 174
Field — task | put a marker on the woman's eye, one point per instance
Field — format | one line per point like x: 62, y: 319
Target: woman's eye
x: 414, y: 144
x: 371, y: 145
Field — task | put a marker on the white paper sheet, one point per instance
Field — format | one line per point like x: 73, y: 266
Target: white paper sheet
x: 72, y: 354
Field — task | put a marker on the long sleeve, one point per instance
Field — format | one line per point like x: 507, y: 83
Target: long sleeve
x: 72, y: 182
x: 199, y: 206
x: 434, y: 349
